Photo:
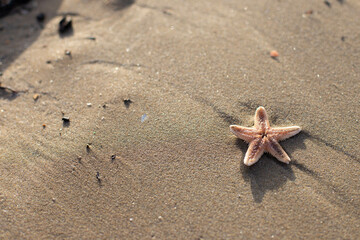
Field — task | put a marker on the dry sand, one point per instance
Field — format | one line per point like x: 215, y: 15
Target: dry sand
x: 194, y: 68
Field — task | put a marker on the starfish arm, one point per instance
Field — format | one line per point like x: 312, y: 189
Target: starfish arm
x: 244, y: 133
x: 254, y: 152
x: 261, y: 119
x: 274, y: 148
x: 283, y: 133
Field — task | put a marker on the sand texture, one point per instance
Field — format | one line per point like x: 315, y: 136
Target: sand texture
x: 190, y: 69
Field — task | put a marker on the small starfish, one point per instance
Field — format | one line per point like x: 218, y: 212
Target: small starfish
x: 263, y: 138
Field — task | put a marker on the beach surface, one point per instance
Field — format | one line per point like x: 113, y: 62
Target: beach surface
x: 118, y: 128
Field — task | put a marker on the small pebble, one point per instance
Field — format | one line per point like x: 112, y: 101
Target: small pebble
x: 327, y: 3
x: 40, y: 17
x: 274, y: 54
x: 89, y: 104
x: 66, y: 119
x: 36, y: 96
x: 91, y: 38
x: 98, y: 176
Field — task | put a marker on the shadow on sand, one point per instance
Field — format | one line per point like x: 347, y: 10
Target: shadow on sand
x: 14, y: 26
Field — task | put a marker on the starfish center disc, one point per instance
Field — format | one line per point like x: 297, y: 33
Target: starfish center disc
x: 264, y: 134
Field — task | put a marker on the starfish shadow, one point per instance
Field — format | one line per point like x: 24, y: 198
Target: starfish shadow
x: 268, y: 174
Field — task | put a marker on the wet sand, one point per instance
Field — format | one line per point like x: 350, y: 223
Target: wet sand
x: 190, y: 69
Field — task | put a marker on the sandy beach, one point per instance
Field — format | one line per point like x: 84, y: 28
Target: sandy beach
x: 118, y: 128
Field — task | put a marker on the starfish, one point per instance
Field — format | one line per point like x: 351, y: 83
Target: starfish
x: 263, y: 138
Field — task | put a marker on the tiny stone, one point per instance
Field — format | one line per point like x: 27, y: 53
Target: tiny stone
x: 98, y: 176
x: 89, y: 104
x: 40, y: 17
x: 36, y: 96
x: 274, y: 54
x: 131, y: 219
x: 66, y: 119
x: 327, y: 3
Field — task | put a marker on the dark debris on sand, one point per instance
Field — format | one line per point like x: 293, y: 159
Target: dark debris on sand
x: 66, y: 121
x: 327, y: 3
x: 98, y: 177
x: 65, y: 26
x: 40, y: 17
x: 127, y: 102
